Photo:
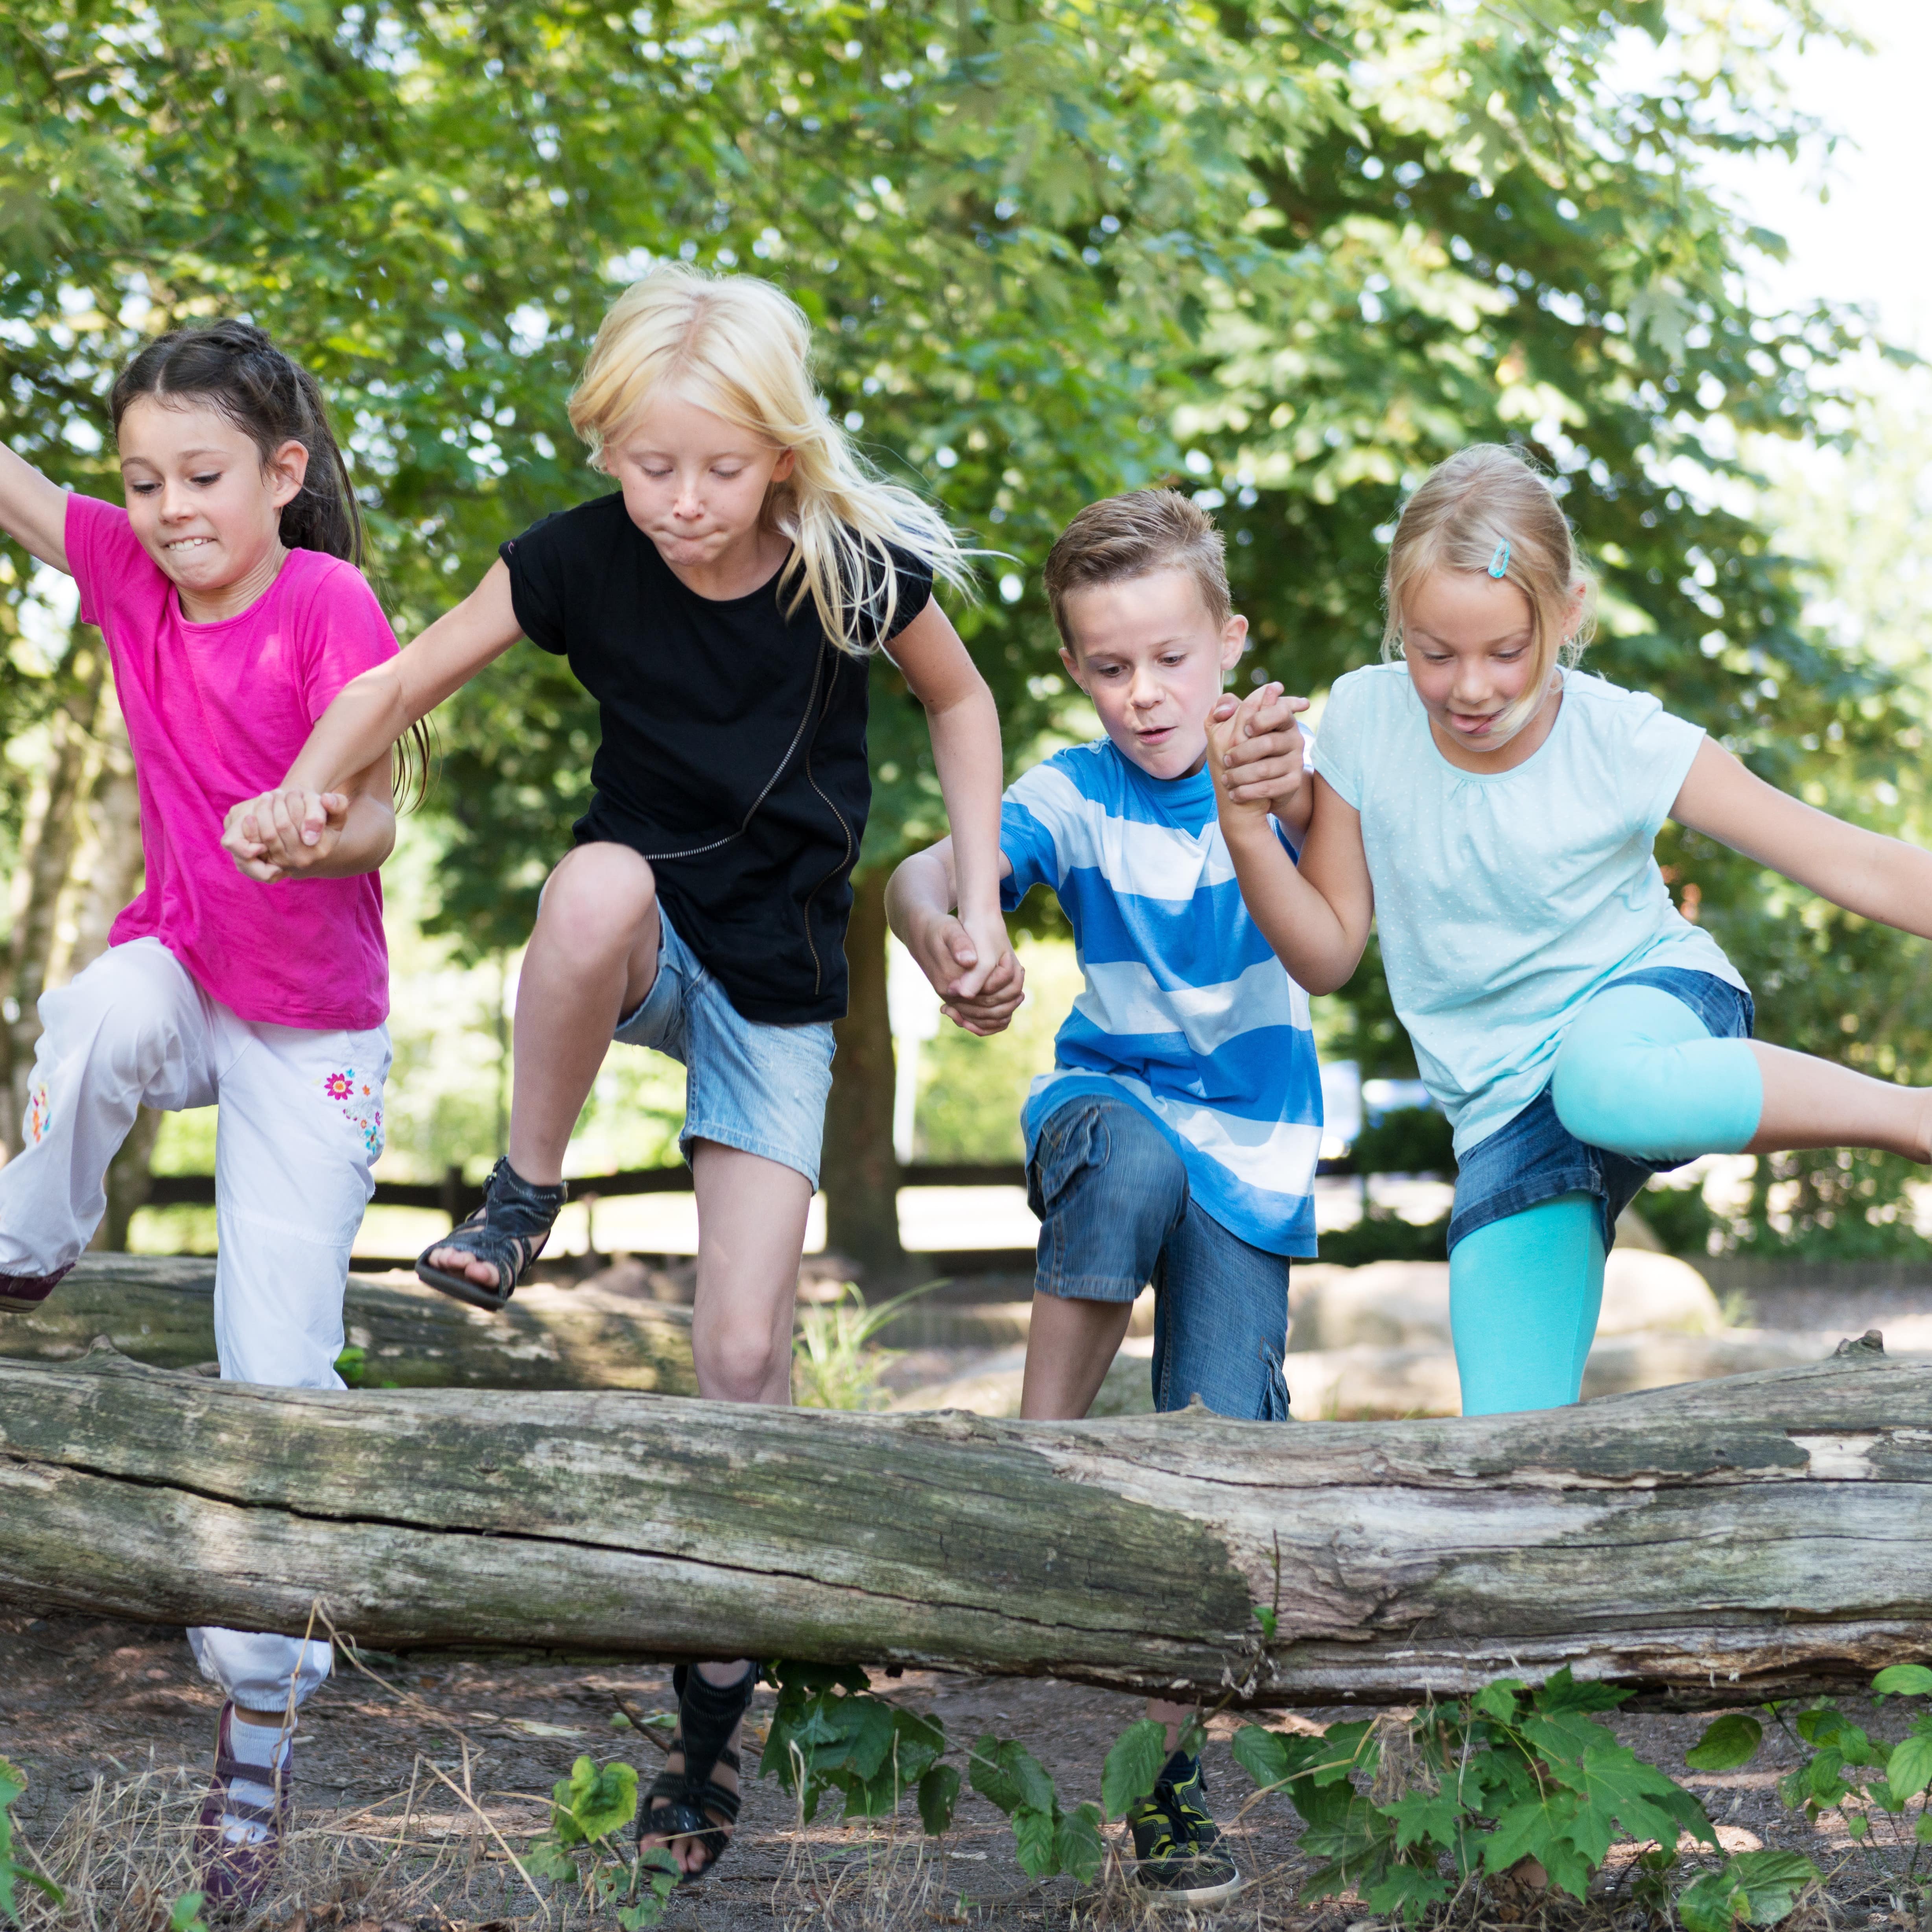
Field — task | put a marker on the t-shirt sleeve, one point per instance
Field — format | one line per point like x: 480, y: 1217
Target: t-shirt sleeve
x: 346, y: 634
x: 1027, y: 842
x: 1336, y: 752
x: 912, y: 592
x: 538, y: 573
x: 102, y: 553
x: 1655, y: 752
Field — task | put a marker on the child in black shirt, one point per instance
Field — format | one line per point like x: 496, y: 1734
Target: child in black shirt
x: 721, y: 608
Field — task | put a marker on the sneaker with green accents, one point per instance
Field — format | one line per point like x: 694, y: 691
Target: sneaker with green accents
x: 1181, y: 1860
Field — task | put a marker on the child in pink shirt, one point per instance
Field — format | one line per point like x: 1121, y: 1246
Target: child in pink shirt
x: 233, y: 611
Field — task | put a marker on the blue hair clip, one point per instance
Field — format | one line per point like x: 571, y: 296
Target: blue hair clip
x: 1499, y: 561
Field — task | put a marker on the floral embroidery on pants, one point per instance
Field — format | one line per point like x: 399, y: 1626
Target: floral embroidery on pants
x: 40, y: 1117
x: 360, y: 1105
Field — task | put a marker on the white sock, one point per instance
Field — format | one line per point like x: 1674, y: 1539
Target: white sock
x: 263, y: 1744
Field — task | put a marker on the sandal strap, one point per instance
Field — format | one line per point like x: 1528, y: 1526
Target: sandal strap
x: 707, y: 1714
x: 511, y: 1228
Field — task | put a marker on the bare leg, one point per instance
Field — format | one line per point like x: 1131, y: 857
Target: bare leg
x: 592, y: 957
x: 1070, y: 1346
x: 1815, y: 1103
x: 751, y: 1233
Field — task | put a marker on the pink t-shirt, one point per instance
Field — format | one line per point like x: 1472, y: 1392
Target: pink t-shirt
x: 216, y: 713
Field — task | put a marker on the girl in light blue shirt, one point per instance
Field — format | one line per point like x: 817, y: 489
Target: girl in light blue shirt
x: 1494, y: 809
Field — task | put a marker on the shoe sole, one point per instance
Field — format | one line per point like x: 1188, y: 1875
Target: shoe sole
x: 16, y: 1304
x: 460, y: 1287
x: 1190, y: 1894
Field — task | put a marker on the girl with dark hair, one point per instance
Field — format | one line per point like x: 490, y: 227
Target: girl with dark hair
x: 228, y: 592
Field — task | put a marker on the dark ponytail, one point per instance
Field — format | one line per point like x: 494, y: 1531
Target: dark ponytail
x: 234, y: 367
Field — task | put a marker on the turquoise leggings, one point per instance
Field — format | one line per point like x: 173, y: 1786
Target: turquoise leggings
x: 1637, y: 1075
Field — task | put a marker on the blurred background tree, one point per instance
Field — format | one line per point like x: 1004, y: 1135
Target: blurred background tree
x: 1287, y: 252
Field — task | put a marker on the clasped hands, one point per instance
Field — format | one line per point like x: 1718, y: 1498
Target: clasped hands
x: 284, y: 833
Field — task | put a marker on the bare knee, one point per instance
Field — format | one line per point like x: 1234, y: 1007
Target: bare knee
x: 738, y: 1364
x: 596, y: 900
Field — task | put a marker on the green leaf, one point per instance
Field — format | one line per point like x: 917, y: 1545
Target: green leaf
x: 1264, y: 1615
x: 1529, y: 1830
x: 593, y: 1801
x: 938, y: 1795
x: 1008, y: 1775
x: 1407, y: 1892
x: 1133, y: 1766
x: 1922, y: 1829
x: 1562, y: 1693
x: 1262, y: 1753
x: 1904, y: 1680
x: 1424, y: 1817
x: 1077, y: 1849
x: 1908, y: 1769
x: 1729, y: 1743
x: 1768, y: 1883
x: 185, y: 1915
x: 1033, y: 1837
x: 13, y: 1782
x: 1706, y: 1903
x: 1498, y: 1700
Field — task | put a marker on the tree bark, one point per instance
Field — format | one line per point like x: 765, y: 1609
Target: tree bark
x: 861, y: 1171
x: 1711, y: 1544
x: 161, y: 1313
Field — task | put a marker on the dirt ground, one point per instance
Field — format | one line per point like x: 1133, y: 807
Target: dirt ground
x: 91, y: 1708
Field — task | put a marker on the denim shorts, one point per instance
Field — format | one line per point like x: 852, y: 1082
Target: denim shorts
x: 1114, y: 1212
x: 748, y: 1083
x: 1534, y: 1157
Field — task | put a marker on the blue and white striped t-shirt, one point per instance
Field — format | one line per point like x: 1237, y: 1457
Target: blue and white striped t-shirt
x: 1187, y: 1011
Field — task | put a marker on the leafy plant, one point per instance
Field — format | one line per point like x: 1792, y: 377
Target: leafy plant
x: 185, y: 1915
x: 1508, y: 1774
x: 588, y: 1809
x: 834, y: 1362
x: 830, y: 1733
x: 1885, y: 1792
x: 13, y: 1782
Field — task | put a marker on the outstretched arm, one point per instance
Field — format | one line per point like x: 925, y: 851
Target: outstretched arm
x: 352, y: 738
x: 33, y: 512
x: 1316, y: 915
x: 965, y: 726
x: 1865, y: 872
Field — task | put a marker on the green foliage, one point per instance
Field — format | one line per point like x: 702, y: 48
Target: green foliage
x: 13, y: 1782
x: 1383, y: 1235
x: 1751, y: 1888
x: 589, y: 1810
x: 830, y: 1734
x: 1508, y: 1774
x: 1406, y: 1140
x: 1727, y: 1744
x: 835, y: 1363
x: 185, y: 1915
x: 351, y: 1365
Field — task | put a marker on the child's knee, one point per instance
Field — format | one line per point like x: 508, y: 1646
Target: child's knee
x: 122, y: 1016
x: 1617, y: 1073
x: 597, y: 898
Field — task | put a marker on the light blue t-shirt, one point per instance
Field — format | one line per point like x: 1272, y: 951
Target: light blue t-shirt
x: 1186, y: 1013
x: 1504, y: 900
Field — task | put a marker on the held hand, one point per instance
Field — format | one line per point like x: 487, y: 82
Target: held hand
x: 1264, y: 759
x: 284, y: 834
x: 975, y: 995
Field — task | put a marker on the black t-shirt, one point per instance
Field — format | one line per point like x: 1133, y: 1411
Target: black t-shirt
x: 704, y: 702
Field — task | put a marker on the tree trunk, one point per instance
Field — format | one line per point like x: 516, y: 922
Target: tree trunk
x: 161, y: 1313
x: 1712, y: 1544
x: 861, y: 1171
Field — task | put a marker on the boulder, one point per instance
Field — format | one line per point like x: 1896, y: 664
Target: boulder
x: 1405, y: 1304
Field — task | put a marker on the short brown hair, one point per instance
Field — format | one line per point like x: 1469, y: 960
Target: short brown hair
x: 1135, y: 535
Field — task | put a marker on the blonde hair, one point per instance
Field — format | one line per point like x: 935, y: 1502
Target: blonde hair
x: 741, y: 348
x: 1133, y: 535
x: 1486, y: 505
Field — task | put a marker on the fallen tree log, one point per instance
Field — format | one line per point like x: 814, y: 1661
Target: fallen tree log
x: 1728, y: 1541
x: 161, y: 1312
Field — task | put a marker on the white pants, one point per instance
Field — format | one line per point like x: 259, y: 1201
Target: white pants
x: 300, y: 1126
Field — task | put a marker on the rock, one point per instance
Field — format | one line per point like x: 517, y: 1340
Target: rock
x: 1405, y: 1304
x: 1646, y: 1292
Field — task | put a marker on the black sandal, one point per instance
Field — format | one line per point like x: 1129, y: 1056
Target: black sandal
x: 509, y: 1231
x: 679, y: 1803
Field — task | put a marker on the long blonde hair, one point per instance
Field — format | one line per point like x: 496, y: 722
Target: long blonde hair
x: 1487, y: 505
x: 742, y: 348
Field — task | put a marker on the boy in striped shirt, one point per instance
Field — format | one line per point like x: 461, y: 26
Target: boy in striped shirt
x: 1175, y: 1139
